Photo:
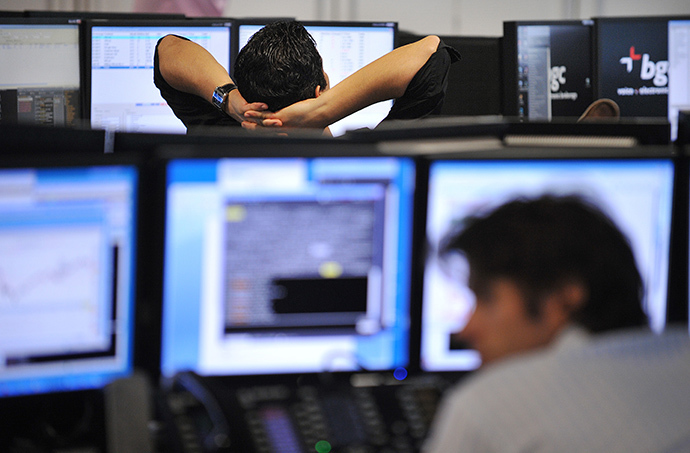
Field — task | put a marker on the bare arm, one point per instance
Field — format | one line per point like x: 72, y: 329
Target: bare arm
x: 190, y: 68
x: 382, y: 79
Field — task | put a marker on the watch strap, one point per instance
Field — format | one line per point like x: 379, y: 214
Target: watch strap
x: 220, y: 95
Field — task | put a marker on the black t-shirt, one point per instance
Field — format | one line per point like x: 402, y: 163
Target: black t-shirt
x: 423, y: 96
x: 427, y: 89
x: 192, y: 110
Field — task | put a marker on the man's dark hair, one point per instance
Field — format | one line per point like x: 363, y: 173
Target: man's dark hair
x: 279, y: 66
x: 542, y: 243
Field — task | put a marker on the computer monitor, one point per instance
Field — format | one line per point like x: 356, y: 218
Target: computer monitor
x: 67, y: 272
x: 121, y: 93
x: 632, y: 64
x: 636, y: 193
x: 38, y: 139
x: 470, y: 93
x: 547, y: 69
x: 110, y: 15
x: 286, y: 265
x: 678, y: 71
x: 345, y: 47
x: 40, y: 72
x: 474, y: 92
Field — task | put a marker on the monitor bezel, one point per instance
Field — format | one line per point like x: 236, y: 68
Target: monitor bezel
x: 45, y: 159
x: 598, y: 22
x: 89, y: 25
x: 266, y: 147
x: 70, y: 20
x: 676, y: 286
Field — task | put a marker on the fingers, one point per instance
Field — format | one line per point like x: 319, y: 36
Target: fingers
x: 249, y: 125
x: 257, y: 106
x: 272, y: 122
x: 256, y: 114
x: 257, y: 124
x: 262, y: 119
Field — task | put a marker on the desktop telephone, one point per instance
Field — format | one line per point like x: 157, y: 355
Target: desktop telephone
x: 367, y: 412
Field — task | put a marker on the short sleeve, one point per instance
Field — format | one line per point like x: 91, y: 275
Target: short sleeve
x: 426, y: 91
x: 192, y: 110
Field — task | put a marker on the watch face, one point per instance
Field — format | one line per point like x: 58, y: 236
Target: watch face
x: 218, y: 97
x: 219, y: 94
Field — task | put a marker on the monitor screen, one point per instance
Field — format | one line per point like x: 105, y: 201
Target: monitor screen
x: 632, y: 64
x: 123, y: 97
x: 40, y: 72
x: 678, y: 71
x: 548, y: 69
x: 636, y: 194
x: 67, y: 240
x: 287, y: 265
x: 345, y: 48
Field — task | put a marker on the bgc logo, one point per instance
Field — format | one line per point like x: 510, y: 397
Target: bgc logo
x: 556, y: 82
x: 656, y: 72
x: 557, y: 78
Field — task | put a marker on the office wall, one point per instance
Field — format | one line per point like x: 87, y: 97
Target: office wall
x: 446, y: 17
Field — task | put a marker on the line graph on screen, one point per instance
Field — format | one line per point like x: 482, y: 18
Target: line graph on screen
x: 52, y: 291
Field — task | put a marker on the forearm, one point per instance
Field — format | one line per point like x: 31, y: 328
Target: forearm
x: 188, y: 67
x: 383, y: 79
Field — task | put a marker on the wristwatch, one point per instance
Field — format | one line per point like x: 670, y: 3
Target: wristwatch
x: 220, y: 95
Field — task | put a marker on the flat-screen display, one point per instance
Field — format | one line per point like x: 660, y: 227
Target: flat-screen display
x: 636, y: 194
x: 678, y: 71
x: 122, y: 95
x: 547, y: 69
x: 346, y: 47
x: 632, y: 64
x: 40, y: 72
x: 287, y: 265
x: 67, y: 271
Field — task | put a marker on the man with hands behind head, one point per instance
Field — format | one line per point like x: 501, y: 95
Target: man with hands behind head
x: 569, y: 363
x: 279, y: 81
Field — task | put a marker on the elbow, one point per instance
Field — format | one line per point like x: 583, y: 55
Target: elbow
x: 421, y: 52
x: 430, y: 43
x: 168, y: 53
x: 167, y: 42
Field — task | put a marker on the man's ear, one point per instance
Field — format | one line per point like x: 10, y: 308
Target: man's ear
x: 562, y: 304
x: 320, y: 89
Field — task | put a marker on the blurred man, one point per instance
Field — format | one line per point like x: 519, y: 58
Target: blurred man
x: 569, y: 364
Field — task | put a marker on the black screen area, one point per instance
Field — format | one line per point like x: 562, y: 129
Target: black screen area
x: 571, y: 70
x: 632, y: 64
x: 548, y: 69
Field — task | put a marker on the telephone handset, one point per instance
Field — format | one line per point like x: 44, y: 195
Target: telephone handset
x: 194, y: 420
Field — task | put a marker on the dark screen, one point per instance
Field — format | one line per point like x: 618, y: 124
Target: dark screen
x: 547, y: 69
x: 632, y: 59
